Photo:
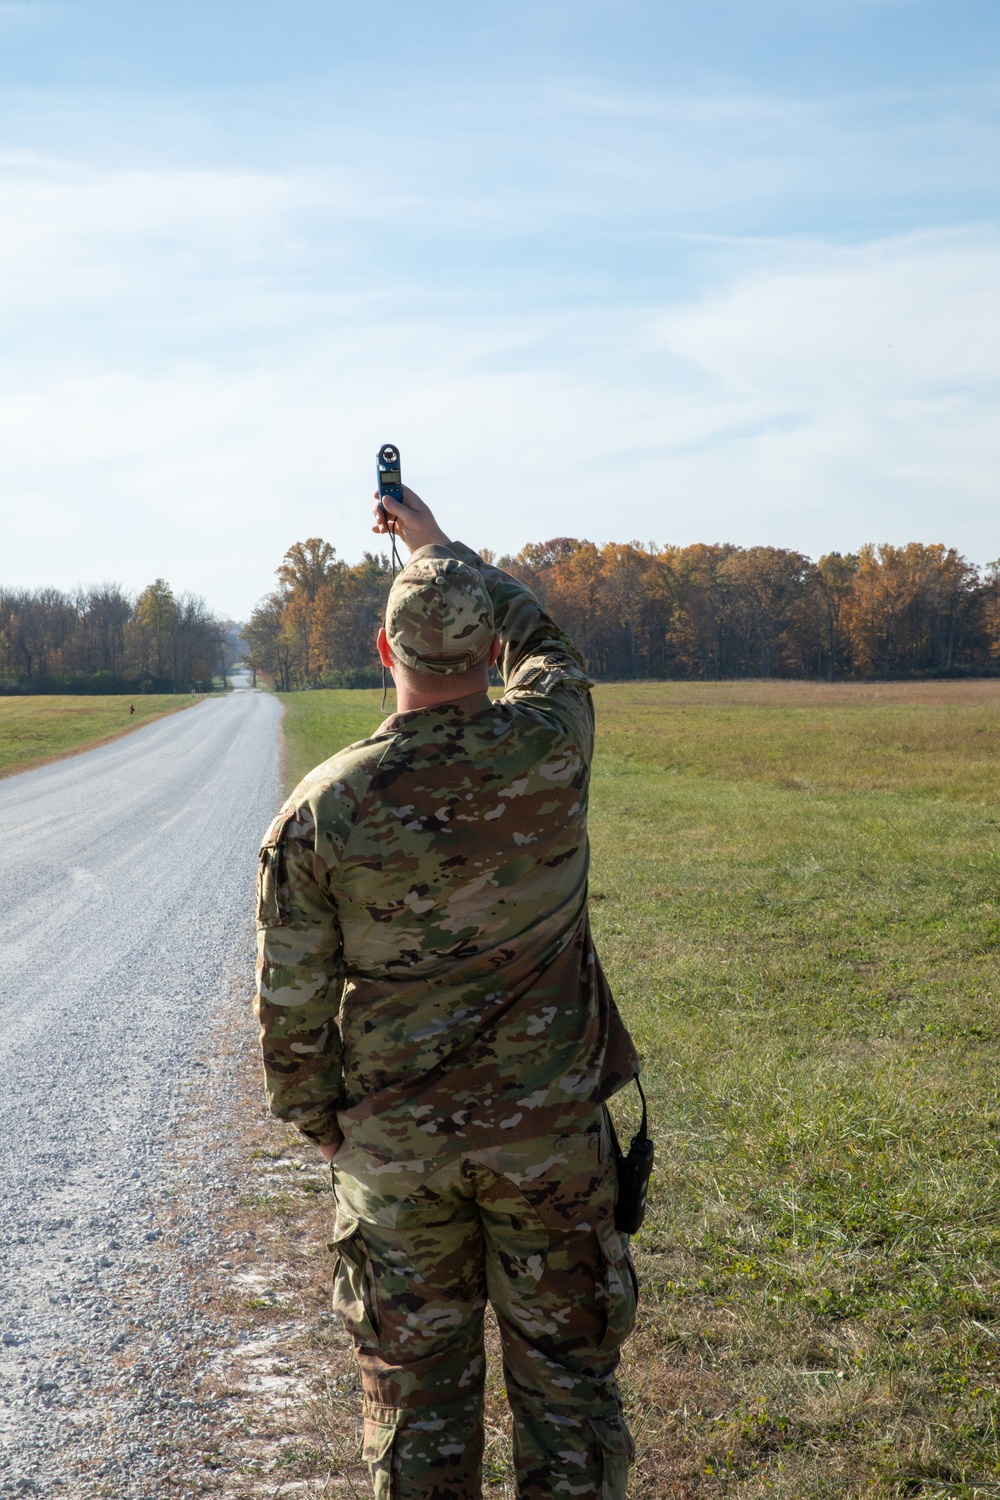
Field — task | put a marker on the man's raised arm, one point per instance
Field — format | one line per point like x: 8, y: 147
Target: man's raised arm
x: 539, y: 664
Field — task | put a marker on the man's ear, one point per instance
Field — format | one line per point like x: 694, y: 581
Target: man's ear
x: 385, y: 654
x: 494, y: 651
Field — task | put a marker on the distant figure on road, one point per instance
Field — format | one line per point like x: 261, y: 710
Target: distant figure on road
x: 434, y: 1016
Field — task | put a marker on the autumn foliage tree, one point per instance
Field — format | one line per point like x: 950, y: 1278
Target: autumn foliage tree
x: 318, y: 627
x: 914, y: 609
x: 991, y: 610
x: 639, y: 610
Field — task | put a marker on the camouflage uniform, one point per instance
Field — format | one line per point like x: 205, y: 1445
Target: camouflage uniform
x: 429, y: 995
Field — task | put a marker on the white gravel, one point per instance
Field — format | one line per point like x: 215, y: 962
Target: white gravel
x: 125, y: 926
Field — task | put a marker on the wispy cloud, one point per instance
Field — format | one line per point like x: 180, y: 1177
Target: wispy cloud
x: 75, y: 235
x: 883, y: 321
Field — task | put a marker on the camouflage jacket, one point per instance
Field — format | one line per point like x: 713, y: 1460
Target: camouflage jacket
x: 426, y: 977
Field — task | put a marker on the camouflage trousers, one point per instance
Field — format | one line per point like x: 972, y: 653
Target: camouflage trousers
x: 420, y: 1247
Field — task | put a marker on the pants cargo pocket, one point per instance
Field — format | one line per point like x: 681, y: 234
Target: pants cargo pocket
x: 378, y: 1454
x: 354, y: 1299
x: 617, y: 1452
x: 617, y: 1287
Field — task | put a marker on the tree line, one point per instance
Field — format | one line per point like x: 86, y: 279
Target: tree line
x: 104, y: 640
x: 639, y: 611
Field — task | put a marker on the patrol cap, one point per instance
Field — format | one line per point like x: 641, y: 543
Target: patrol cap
x: 439, y: 617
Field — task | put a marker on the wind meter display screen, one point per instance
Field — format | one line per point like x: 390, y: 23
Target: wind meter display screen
x: 390, y: 479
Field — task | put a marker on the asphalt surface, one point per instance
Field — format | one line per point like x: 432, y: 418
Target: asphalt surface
x: 126, y: 877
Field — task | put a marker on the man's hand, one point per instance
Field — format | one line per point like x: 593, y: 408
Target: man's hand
x: 414, y: 523
x: 330, y: 1151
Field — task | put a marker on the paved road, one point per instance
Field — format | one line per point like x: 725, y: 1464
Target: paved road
x: 125, y: 887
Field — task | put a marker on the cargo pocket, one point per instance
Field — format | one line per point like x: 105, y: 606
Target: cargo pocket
x: 617, y: 1287
x: 354, y: 1299
x: 617, y: 1452
x: 378, y: 1454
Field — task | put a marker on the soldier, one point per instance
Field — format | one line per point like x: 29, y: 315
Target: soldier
x: 434, y: 1016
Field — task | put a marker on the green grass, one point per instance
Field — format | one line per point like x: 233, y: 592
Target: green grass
x: 37, y: 729
x: 796, y: 894
x: 318, y: 724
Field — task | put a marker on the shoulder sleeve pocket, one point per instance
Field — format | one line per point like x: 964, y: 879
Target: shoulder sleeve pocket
x: 273, y: 906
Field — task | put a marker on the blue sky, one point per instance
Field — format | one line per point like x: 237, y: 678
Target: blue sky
x: 677, y: 272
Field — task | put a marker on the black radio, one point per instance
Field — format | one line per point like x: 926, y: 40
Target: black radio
x: 634, y: 1171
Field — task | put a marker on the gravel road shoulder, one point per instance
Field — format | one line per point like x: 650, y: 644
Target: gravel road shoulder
x: 230, y: 1377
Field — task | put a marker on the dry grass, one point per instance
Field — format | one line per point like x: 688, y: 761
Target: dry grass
x: 933, y: 738
x: 38, y: 729
x: 774, y: 693
x: 280, y: 1373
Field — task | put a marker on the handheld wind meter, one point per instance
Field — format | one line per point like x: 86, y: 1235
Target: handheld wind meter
x: 390, y: 481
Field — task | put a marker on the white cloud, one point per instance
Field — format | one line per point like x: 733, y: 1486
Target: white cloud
x: 839, y: 397
x: 203, y: 363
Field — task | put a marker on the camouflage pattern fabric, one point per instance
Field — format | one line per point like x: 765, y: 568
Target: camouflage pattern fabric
x: 427, y: 981
x: 439, y: 617
x: 418, y: 1250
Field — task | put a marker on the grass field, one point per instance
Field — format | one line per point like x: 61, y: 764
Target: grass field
x: 36, y: 729
x: 796, y: 894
